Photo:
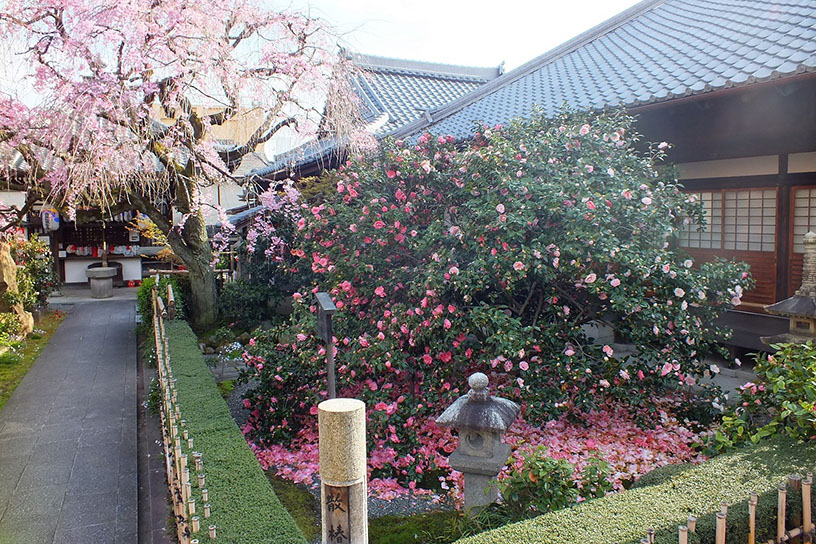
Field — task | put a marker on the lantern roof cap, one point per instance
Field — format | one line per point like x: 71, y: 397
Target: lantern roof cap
x: 479, y: 410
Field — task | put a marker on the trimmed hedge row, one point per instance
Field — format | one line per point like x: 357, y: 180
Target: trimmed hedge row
x: 666, y: 497
x: 244, y: 507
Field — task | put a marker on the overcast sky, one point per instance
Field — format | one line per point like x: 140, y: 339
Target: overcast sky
x: 473, y: 33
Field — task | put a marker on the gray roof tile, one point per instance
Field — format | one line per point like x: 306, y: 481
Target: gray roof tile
x: 652, y: 52
x: 402, y: 90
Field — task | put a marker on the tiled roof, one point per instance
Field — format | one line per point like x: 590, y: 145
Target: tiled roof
x: 394, y: 92
x: 653, y: 52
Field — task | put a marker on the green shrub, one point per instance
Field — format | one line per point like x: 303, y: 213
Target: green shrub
x: 674, y: 494
x: 145, y: 303
x: 36, y: 277
x: 544, y: 484
x: 244, y: 507
x: 9, y: 325
x: 782, y: 401
x: 244, y: 301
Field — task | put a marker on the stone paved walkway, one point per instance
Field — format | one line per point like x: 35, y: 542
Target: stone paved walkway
x: 68, y: 467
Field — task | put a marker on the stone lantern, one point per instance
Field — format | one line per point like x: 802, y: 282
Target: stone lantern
x: 800, y: 309
x: 481, y: 420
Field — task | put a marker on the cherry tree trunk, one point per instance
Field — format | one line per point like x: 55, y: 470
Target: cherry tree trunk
x: 202, y: 310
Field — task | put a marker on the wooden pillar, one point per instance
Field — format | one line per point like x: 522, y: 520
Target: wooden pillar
x: 783, y: 221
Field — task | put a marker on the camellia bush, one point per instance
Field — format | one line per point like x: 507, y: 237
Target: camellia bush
x: 446, y: 258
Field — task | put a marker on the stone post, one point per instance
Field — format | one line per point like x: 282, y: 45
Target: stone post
x: 343, y: 485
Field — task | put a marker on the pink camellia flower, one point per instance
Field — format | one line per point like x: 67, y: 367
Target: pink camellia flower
x: 584, y: 130
x: 623, y: 374
x: 524, y: 365
x: 500, y: 208
x: 666, y: 369
x: 378, y: 224
x: 380, y: 291
x: 627, y: 194
x: 353, y: 227
x: 446, y: 357
x: 518, y: 265
x: 508, y: 366
x: 678, y: 292
x: 591, y: 278
x: 604, y: 383
x: 688, y: 263
x: 640, y: 375
x: 591, y: 205
x: 569, y: 352
x: 615, y: 282
x: 589, y: 168
x: 453, y: 271
x: 646, y: 200
x: 447, y: 324
x: 427, y: 359
x: 301, y: 337
x: 608, y: 350
x: 297, y: 297
x: 391, y: 174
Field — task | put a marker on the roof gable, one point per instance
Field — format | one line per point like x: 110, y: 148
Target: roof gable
x: 393, y: 93
x: 655, y: 51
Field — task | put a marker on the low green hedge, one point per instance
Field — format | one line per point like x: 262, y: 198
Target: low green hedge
x: 665, y: 498
x: 245, y: 509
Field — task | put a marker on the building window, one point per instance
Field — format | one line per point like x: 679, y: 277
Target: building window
x: 804, y: 216
x: 743, y: 220
x: 710, y: 236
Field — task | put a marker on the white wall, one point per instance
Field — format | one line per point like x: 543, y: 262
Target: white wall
x: 802, y: 162
x: 75, y: 269
x: 729, y: 168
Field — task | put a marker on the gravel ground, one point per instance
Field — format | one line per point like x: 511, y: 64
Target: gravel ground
x: 402, y: 506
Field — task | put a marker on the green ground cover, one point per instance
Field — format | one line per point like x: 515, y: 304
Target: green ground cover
x: 15, y: 363
x: 244, y: 506
x: 666, y: 497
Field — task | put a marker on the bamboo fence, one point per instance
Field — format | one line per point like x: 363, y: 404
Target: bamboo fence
x: 182, y: 472
x: 803, y: 532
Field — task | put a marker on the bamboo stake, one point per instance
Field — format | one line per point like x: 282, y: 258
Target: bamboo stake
x: 752, y: 507
x: 650, y: 534
x: 795, y: 483
x: 191, y: 506
x: 806, y: 508
x: 683, y: 534
x: 212, y: 532
x: 195, y: 524
x: 205, y: 494
x: 780, y: 513
x: 201, y: 481
x: 720, y: 535
x: 692, y: 524
x: 206, y: 509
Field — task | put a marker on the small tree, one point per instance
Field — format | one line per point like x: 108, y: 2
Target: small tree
x: 445, y: 259
x: 103, y: 74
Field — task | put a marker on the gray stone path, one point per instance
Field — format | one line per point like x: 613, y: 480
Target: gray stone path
x: 68, y: 467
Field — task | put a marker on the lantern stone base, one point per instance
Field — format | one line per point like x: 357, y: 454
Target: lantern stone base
x: 101, y: 281
x: 480, y: 477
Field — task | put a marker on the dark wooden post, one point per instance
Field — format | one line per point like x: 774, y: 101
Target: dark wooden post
x: 325, y: 310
